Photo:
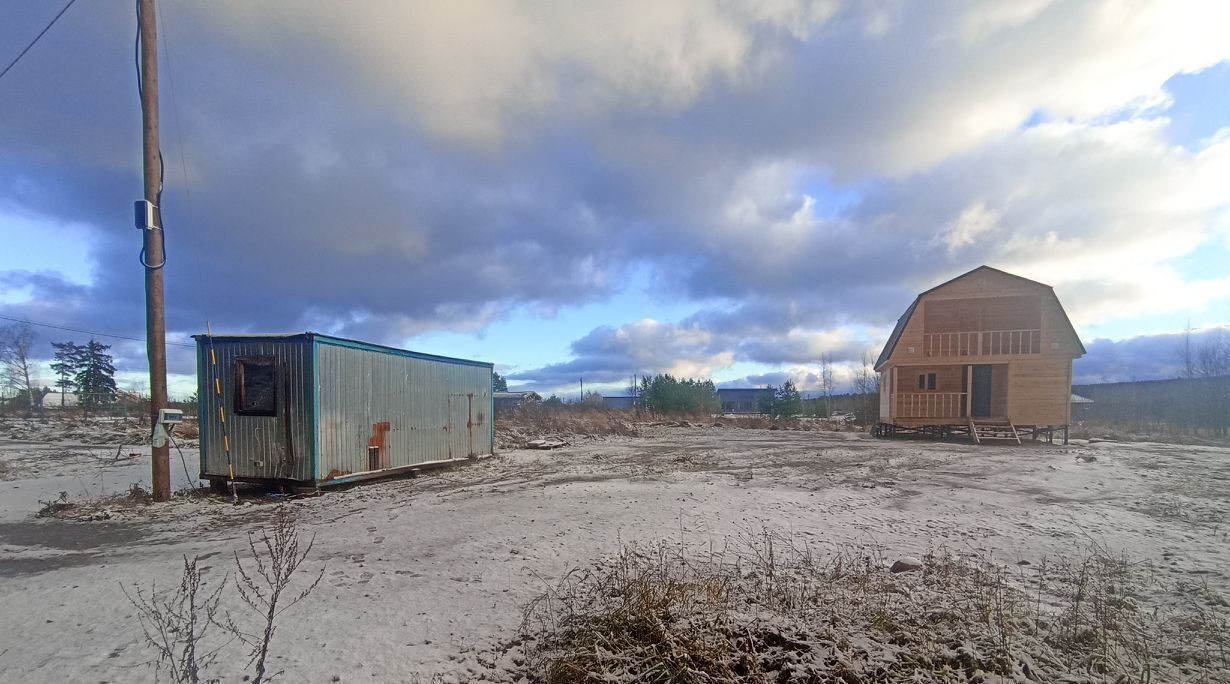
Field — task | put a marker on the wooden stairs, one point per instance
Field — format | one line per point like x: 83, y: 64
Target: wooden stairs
x: 993, y: 430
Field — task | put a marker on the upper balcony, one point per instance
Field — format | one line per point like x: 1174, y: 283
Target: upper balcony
x: 982, y: 326
x: 982, y: 343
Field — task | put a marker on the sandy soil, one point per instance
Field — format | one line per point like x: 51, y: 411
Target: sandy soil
x: 428, y: 576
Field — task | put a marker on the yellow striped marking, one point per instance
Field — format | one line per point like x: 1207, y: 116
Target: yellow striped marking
x: 213, y: 356
x: 222, y: 415
x: 226, y: 444
x: 218, y: 386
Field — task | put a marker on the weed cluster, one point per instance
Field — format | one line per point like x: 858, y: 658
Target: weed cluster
x: 189, y: 627
x: 767, y: 608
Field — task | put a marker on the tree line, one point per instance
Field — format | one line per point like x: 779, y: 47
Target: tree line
x: 665, y: 393
x: 85, y: 370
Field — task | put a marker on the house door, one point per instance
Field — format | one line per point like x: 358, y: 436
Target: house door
x: 980, y: 392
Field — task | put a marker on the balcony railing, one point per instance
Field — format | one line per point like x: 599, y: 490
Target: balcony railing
x: 982, y: 343
x: 929, y: 405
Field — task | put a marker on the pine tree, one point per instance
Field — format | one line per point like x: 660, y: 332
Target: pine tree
x: 68, y: 360
x: 789, y: 401
x: 767, y: 403
x: 499, y: 383
x: 95, y: 380
x: 667, y: 394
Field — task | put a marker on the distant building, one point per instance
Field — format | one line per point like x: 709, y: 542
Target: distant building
x: 621, y: 403
x: 1080, y: 407
x: 511, y: 400
x: 743, y: 400
x: 55, y: 400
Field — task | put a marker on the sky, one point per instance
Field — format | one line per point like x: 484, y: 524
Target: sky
x: 597, y: 190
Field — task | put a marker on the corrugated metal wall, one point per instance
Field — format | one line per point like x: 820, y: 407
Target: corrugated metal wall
x: 412, y: 410
x: 260, y: 446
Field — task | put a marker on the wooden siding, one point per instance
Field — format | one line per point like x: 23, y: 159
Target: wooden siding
x: 1019, y: 312
x: 948, y: 378
x: 1002, y: 391
x: 1030, y: 387
x: 1040, y: 391
x: 1056, y: 336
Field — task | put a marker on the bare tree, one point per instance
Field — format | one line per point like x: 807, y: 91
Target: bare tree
x: 1186, y: 356
x: 826, y: 382
x: 275, y: 559
x: 15, y: 342
x: 180, y: 625
x: 867, y: 387
x: 1212, y: 357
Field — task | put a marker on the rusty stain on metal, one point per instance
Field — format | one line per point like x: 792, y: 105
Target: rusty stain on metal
x: 470, y: 424
x: 378, y: 440
x: 288, y: 459
x: 335, y: 473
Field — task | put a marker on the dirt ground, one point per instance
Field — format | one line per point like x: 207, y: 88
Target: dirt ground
x: 427, y: 577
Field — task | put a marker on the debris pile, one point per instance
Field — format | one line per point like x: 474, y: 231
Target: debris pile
x: 539, y: 428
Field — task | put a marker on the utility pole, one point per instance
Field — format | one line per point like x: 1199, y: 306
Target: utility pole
x: 153, y: 253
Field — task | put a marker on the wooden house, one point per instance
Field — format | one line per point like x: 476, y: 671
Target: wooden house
x: 988, y: 354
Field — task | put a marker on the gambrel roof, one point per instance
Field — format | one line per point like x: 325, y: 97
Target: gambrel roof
x: 887, y: 353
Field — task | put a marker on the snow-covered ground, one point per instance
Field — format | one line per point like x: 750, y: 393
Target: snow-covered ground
x: 429, y: 576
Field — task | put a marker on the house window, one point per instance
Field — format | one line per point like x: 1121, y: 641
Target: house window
x: 256, y: 386
x: 926, y: 381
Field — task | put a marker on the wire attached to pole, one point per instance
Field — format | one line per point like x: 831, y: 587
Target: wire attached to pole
x: 143, y: 257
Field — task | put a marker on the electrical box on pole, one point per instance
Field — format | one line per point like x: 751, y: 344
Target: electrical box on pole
x: 153, y: 252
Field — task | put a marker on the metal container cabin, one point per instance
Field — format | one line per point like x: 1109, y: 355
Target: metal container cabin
x: 316, y: 410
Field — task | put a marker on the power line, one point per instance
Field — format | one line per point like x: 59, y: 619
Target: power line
x: 36, y: 39
x: 88, y: 332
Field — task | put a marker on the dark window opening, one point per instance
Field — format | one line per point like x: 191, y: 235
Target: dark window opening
x: 256, y: 386
x: 926, y: 381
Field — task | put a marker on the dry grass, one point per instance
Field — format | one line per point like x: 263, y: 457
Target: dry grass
x: 517, y: 426
x: 769, y: 609
x: 1145, y: 433
x: 189, y: 429
x: 190, y: 628
x: 804, y: 424
x: 93, y: 431
x: 136, y: 499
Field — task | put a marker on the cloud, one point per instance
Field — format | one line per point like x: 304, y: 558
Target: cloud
x: 1103, y: 212
x: 798, y: 170
x: 472, y: 71
x: 1145, y: 357
x: 613, y: 354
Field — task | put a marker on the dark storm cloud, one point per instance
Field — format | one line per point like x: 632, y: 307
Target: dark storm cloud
x: 292, y: 206
x: 1146, y: 357
x: 387, y: 173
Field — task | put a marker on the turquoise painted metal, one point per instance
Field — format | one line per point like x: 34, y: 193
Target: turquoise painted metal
x: 340, y: 409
